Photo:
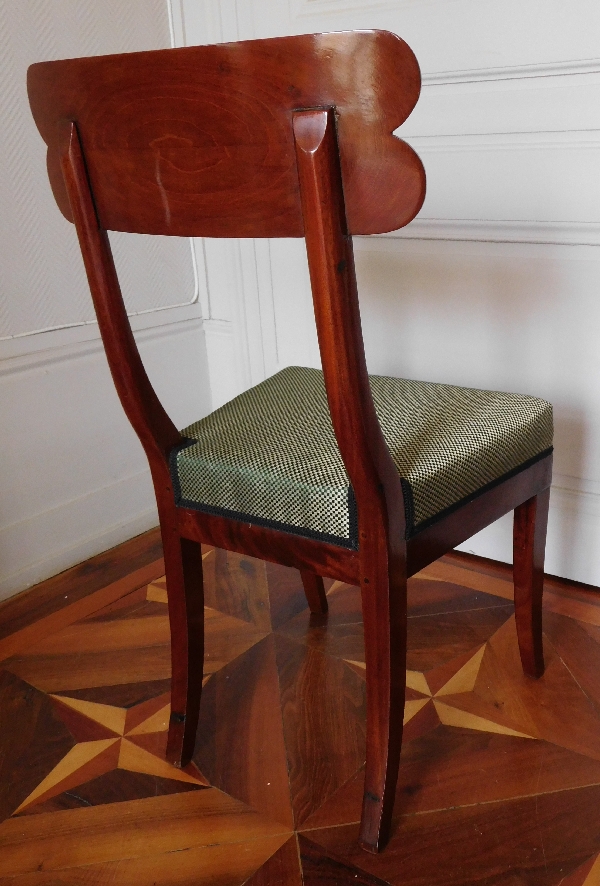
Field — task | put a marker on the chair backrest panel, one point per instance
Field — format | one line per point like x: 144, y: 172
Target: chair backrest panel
x: 198, y: 141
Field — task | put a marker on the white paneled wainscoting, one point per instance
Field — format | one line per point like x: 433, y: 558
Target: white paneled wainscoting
x: 73, y: 479
x: 496, y: 282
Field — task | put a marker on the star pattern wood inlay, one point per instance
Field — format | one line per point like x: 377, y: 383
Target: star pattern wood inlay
x: 500, y: 775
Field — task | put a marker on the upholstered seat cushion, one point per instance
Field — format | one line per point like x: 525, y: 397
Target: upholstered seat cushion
x: 270, y: 456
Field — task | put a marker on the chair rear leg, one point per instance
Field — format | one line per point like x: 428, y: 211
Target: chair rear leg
x: 384, y: 616
x: 183, y: 566
x: 315, y: 592
x: 529, y: 542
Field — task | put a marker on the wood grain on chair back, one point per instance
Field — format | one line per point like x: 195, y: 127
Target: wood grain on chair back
x: 198, y: 141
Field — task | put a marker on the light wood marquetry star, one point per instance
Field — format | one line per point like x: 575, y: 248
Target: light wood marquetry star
x: 108, y: 738
x: 459, y: 679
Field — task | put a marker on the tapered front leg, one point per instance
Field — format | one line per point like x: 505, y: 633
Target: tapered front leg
x: 315, y: 592
x: 183, y: 566
x: 384, y: 616
x: 529, y: 543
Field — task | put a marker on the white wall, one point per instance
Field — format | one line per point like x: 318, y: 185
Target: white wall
x: 73, y: 477
x: 496, y: 283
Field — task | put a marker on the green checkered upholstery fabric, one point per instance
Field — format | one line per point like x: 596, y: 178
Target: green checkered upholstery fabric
x: 270, y: 456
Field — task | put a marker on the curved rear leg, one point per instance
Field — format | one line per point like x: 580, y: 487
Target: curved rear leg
x: 529, y: 542
x: 183, y: 566
x: 315, y: 592
x: 384, y: 616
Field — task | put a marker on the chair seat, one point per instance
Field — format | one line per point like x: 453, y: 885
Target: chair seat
x: 270, y: 457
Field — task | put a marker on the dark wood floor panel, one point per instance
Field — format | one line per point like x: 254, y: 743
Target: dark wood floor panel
x: 240, y: 747
x: 74, y: 584
x: 578, y: 646
x: 500, y: 774
x: 111, y: 787
x: 321, y: 868
x: 33, y: 739
x: 282, y: 868
x: 217, y: 865
x: 323, y: 707
x: 154, y: 825
x: 452, y: 767
x: 23, y: 639
x: 545, y: 837
x: 586, y: 874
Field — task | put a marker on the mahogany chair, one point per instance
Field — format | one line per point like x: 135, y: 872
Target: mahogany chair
x: 363, y: 480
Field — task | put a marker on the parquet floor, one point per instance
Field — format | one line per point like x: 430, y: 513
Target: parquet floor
x: 500, y: 775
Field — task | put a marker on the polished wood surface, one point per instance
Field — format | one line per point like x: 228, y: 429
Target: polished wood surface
x: 292, y: 142
x: 531, y: 520
x: 500, y: 781
x: 198, y: 141
x: 148, y: 418
x: 303, y: 553
x: 315, y: 592
x: 373, y: 475
x: 44, y: 599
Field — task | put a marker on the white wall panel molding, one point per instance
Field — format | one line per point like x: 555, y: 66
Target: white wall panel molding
x: 249, y: 315
x: 198, y: 22
x: 457, y: 36
x: 483, y: 230
x: 75, y: 479
x: 537, y: 187
x: 176, y: 22
x: 268, y: 326
x: 166, y: 273
x: 201, y: 275
x: 43, y: 283
x: 507, y: 141
x: 68, y: 336
x: 544, y: 108
x: 44, y: 356
x: 207, y: 21
x: 310, y: 8
x: 574, y: 486
x: 239, y: 293
x: 561, y: 69
x: 222, y: 361
x: 65, y: 535
x: 231, y: 278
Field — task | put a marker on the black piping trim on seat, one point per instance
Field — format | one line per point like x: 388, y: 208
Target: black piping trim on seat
x: 424, y: 524
x: 409, y: 505
x: 352, y: 518
x: 350, y: 543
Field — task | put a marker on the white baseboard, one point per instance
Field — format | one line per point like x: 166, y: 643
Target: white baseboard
x: 75, y: 480
x: 487, y: 231
x: 573, y: 547
x: 81, y: 534
x: 573, y: 543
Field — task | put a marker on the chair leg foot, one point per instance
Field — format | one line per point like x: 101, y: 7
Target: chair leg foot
x: 384, y: 616
x: 529, y: 541
x: 183, y: 566
x: 315, y: 592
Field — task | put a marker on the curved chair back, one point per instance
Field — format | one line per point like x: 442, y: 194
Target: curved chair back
x: 198, y: 141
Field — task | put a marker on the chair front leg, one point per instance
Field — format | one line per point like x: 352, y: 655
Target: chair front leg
x: 529, y: 543
x: 314, y: 590
x: 384, y: 617
x: 183, y: 567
